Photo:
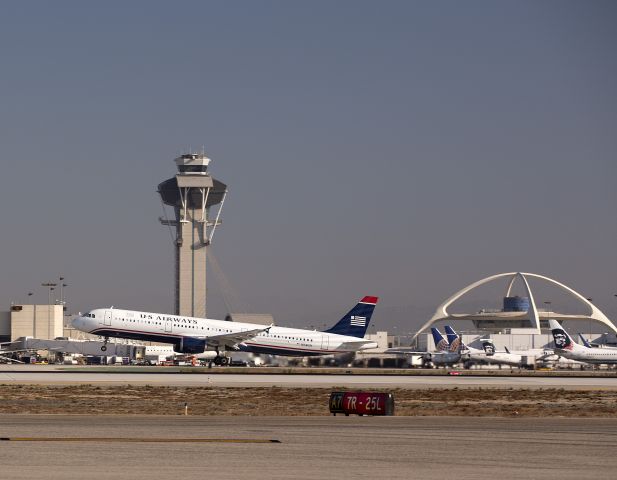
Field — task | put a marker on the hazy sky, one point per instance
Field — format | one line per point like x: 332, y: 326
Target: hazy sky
x: 400, y: 149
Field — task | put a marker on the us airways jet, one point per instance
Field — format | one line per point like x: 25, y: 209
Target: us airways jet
x: 196, y: 335
x: 568, y: 348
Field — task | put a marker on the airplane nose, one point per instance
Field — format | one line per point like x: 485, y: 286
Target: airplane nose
x: 76, y: 322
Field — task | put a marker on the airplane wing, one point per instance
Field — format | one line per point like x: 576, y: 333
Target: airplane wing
x: 354, y: 345
x: 233, y: 339
x: 405, y: 350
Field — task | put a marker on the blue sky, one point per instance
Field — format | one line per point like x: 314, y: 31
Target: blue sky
x: 400, y: 149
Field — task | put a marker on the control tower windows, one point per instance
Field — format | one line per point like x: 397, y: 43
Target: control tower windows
x: 192, y: 168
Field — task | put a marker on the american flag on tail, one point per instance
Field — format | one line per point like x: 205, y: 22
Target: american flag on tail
x: 358, y: 321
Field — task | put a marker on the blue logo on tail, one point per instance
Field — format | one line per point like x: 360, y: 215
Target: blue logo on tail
x: 441, y: 344
x: 357, y: 320
x: 453, y: 339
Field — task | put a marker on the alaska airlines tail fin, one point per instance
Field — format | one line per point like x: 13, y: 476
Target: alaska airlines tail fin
x: 441, y: 344
x: 563, y: 341
x: 356, y: 321
x: 453, y: 339
x: 488, y: 346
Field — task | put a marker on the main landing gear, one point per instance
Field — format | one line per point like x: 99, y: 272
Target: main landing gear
x: 220, y: 360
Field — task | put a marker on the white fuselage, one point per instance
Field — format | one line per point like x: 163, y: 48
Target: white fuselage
x: 498, y: 358
x: 589, y: 355
x: 163, y: 352
x: 163, y: 328
x: 444, y: 358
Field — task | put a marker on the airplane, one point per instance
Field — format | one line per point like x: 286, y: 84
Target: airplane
x: 447, y: 354
x: 589, y: 344
x: 584, y: 340
x: 486, y: 355
x: 196, y: 335
x: 442, y: 356
x: 568, y: 348
x: 163, y: 352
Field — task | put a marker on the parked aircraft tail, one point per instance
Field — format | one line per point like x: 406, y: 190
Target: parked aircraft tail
x: 563, y: 341
x: 488, y: 346
x: 584, y: 340
x: 441, y: 344
x: 453, y: 339
x: 356, y: 321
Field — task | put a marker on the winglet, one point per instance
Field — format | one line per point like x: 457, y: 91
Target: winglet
x: 584, y: 340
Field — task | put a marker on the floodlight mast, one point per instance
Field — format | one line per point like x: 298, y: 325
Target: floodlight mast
x: 192, y: 193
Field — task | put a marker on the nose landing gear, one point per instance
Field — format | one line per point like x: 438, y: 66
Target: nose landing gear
x: 104, y: 346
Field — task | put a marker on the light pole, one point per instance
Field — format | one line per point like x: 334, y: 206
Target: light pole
x: 33, y: 317
x: 62, y: 302
x: 590, y: 300
x: 61, y: 292
x: 50, y: 288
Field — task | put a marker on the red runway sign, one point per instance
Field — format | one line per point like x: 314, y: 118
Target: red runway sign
x: 362, y: 403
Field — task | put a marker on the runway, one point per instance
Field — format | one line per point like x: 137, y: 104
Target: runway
x: 10, y: 374
x: 310, y: 448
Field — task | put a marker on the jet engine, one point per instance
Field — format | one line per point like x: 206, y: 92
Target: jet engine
x: 190, y: 345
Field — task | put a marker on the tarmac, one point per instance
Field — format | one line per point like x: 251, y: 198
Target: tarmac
x: 309, y: 448
x: 252, y: 447
x: 51, y: 375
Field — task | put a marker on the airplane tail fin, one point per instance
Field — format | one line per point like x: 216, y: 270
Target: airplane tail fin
x: 356, y: 321
x: 563, y: 341
x: 453, y: 339
x: 441, y: 344
x: 584, y: 340
x: 488, y: 346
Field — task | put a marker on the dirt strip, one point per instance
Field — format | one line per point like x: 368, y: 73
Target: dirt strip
x: 161, y: 400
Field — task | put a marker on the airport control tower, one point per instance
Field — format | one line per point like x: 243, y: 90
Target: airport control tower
x: 191, y: 193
